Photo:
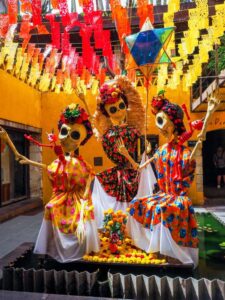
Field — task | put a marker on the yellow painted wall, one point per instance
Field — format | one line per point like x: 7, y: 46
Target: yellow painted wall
x: 18, y: 101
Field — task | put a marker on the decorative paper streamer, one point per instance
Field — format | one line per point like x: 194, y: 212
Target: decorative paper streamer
x: 36, y: 12
x: 64, y: 12
x: 12, y: 11
x: 4, y: 25
x: 144, y: 11
x: 26, y: 6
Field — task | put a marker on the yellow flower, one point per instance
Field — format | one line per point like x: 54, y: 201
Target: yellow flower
x: 110, y: 223
x: 72, y: 106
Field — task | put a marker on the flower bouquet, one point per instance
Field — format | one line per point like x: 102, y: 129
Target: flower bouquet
x: 114, y: 226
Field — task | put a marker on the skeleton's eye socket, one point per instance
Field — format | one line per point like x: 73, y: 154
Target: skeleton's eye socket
x: 159, y: 120
x: 113, y: 109
x: 122, y: 105
x: 64, y: 131
x: 75, y: 135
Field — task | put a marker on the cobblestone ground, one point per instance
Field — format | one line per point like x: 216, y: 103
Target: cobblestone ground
x: 18, y: 230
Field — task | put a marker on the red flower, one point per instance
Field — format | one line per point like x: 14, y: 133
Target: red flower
x: 79, y: 120
x: 113, y: 248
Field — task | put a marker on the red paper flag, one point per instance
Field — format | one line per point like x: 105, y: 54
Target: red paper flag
x: 26, y: 6
x: 25, y: 26
x: 12, y: 11
x: 4, y: 25
x: 54, y: 4
x: 64, y: 12
x: 36, y: 12
x: 65, y: 43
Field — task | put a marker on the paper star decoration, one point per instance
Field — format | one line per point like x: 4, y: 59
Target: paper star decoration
x: 148, y: 48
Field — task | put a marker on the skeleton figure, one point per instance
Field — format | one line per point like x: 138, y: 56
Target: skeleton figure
x: 165, y: 222
x: 119, y: 122
x: 68, y: 230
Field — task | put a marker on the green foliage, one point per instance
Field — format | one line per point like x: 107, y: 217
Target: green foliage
x: 221, y: 57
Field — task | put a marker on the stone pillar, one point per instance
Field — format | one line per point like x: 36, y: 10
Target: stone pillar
x: 199, y: 177
x: 35, y: 172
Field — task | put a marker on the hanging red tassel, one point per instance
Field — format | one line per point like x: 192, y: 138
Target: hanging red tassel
x: 79, y: 65
x: 26, y: 6
x: 107, y: 49
x: 144, y: 11
x: 65, y: 43
x: 4, y: 25
x: 25, y: 26
x: 64, y: 12
x: 36, y: 12
x: 55, y: 30
x: 87, y: 50
x: 96, y: 64
x: 12, y: 11
x: 25, y: 43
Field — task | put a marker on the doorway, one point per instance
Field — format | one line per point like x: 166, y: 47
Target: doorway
x: 214, y: 139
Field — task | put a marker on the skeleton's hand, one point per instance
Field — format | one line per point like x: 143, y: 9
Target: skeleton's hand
x: 3, y: 134
x: 80, y: 92
x: 148, y: 148
x: 121, y: 147
x: 23, y: 160
x: 213, y: 102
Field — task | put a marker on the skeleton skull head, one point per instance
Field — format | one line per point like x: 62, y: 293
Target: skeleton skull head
x: 117, y: 111
x: 164, y: 124
x: 71, y: 136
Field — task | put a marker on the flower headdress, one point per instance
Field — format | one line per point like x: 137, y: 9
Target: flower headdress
x: 174, y: 112
x: 74, y: 114
x: 110, y: 94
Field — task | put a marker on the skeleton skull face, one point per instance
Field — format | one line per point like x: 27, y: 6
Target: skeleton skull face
x: 165, y: 125
x: 71, y: 136
x: 117, y: 111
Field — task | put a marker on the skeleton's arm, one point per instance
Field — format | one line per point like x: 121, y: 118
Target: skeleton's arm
x: 213, y: 103
x: 22, y: 159
x: 5, y: 137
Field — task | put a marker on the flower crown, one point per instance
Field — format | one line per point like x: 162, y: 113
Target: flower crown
x: 74, y: 114
x: 110, y: 94
x: 157, y: 103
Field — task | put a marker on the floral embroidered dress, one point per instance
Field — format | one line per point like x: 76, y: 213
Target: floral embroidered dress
x: 120, y: 181
x: 62, y: 214
x: 165, y: 222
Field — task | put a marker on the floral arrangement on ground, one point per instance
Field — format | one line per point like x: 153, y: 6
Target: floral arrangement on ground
x: 117, y: 247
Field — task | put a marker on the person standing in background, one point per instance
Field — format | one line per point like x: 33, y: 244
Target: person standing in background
x: 219, y: 163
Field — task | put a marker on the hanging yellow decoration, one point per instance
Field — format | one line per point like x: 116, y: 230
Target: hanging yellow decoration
x: 44, y: 82
x: 24, y: 68
x: 67, y: 86
x: 19, y: 62
x: 11, y: 55
x: 34, y: 75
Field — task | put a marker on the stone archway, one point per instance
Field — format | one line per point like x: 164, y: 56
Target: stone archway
x: 214, y: 139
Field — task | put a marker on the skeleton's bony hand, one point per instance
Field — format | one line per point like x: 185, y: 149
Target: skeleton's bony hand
x: 3, y: 134
x: 213, y: 101
x: 80, y: 91
x: 23, y: 160
x: 121, y: 147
